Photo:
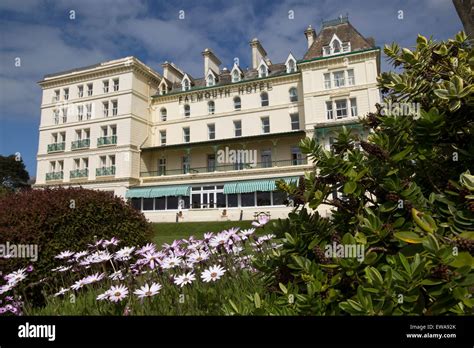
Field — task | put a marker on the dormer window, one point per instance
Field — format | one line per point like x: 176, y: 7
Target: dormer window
x: 211, y: 81
x: 236, y: 73
x: 163, y: 89
x: 235, y: 76
x: 263, y: 71
x: 186, y: 83
x: 290, y: 64
x: 336, y: 46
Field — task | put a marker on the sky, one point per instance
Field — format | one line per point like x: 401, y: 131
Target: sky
x: 49, y: 38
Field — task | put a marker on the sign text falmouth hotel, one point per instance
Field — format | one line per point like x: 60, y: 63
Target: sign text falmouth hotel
x: 225, y: 92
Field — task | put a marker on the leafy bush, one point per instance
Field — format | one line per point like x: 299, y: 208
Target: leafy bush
x: 407, y: 198
x: 59, y: 219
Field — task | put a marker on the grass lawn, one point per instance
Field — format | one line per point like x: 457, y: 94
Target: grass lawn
x: 166, y: 232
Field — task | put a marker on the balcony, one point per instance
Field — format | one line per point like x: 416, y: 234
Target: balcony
x: 54, y: 176
x: 80, y: 144
x: 105, y: 141
x: 56, y: 147
x: 225, y: 167
x: 105, y: 171
x: 79, y: 173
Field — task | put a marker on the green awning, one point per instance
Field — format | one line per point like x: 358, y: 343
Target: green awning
x: 264, y: 185
x: 138, y: 192
x: 158, y: 191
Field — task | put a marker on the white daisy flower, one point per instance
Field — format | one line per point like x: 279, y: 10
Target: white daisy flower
x: 64, y: 255
x: 124, y: 254
x: 95, y: 278
x: 262, y: 220
x: 79, y: 284
x: 151, y: 258
x: 64, y: 269
x: 212, y: 273
x: 220, y: 239
x: 184, y: 279
x: 149, y: 248
x: 15, y: 277
x: 117, y: 293
x: 148, y: 291
x: 5, y: 288
x: 198, y: 256
x: 112, y: 241
x: 244, y: 234
x: 171, y: 262
x: 80, y: 254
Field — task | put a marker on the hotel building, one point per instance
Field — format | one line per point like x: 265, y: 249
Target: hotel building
x: 182, y: 148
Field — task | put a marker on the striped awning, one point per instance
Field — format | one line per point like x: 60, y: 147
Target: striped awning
x: 158, y: 191
x: 264, y: 185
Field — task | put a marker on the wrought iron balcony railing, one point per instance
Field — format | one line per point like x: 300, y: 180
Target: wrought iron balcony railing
x: 56, y: 147
x: 80, y: 144
x: 104, y: 141
x: 105, y: 171
x: 79, y: 173
x: 54, y: 176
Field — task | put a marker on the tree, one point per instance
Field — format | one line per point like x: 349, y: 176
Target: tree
x: 13, y: 174
x: 465, y: 10
x: 405, y: 197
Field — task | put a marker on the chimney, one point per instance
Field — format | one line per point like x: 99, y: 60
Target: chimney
x: 210, y: 61
x: 171, y: 72
x: 258, y: 52
x: 310, y: 34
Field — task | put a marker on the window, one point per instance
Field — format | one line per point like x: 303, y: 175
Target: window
x: 235, y: 75
x: 238, y: 128
x: 137, y: 203
x: 162, y: 166
x: 186, y: 160
x: 64, y: 115
x: 186, y: 135
x: 160, y: 203
x: 264, y: 99
x: 56, y: 116
x: 163, y: 114
x: 237, y: 103
x: 116, y: 85
x: 80, y: 91
x: 266, y: 158
x: 211, y: 163
x: 291, y: 68
x: 90, y: 87
x: 247, y: 199
x: 66, y: 93
x: 103, y: 161
x: 163, y: 89
x: 186, y: 85
x: 293, y: 94
x: 211, y: 131
x: 327, y: 81
x: 326, y: 51
x: 336, y: 46
x: 112, y: 160
x: 232, y: 200
x: 77, y: 163
x: 295, y: 121
x: 105, y: 131
x: 114, y: 107
x: 338, y: 79
x: 187, y: 110
x: 350, y: 77
x: 279, y: 197
x: 80, y: 112
x: 105, y: 108
x: 88, y: 111
x: 210, y: 80
x: 341, y: 108
x: 163, y: 137
x: 56, y: 95
x: 296, y: 156
x: 148, y: 204
x: 85, y: 163
x: 211, y: 107
x: 346, y: 47
x: 172, y: 202
x: 106, y: 86
x: 264, y: 198
x: 329, y: 113
x: 353, y: 106
x: 262, y: 71
x: 265, y: 124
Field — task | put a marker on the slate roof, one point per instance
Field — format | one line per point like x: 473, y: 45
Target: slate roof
x: 344, y: 31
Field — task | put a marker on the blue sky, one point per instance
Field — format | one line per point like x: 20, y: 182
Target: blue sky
x: 46, y: 40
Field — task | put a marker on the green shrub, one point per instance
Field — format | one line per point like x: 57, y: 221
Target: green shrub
x: 408, y: 199
x: 61, y: 219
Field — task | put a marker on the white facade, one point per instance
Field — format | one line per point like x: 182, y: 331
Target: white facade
x: 162, y: 143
